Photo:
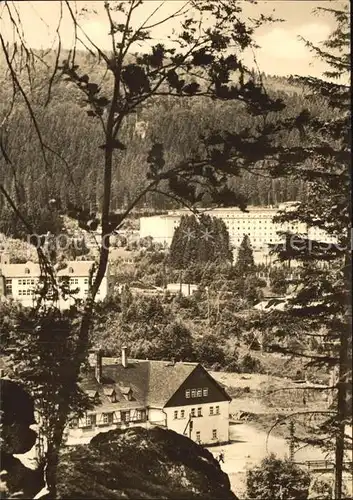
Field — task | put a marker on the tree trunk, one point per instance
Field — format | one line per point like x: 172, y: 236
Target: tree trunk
x: 344, y: 370
x: 341, y: 413
x: 53, y: 451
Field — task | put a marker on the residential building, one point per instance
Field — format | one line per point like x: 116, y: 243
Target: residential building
x: 257, y: 222
x: 20, y: 282
x: 179, y: 396
x: 186, y: 289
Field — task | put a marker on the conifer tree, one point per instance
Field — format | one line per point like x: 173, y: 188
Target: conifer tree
x: 321, y: 309
x: 197, y: 241
x: 245, y: 259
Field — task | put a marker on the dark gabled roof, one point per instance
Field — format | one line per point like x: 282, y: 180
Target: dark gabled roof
x: 152, y: 383
x: 165, y: 379
x: 116, y: 377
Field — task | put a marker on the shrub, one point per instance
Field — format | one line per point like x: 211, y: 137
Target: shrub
x: 208, y: 351
x: 277, y: 479
x: 232, y: 366
x: 249, y: 364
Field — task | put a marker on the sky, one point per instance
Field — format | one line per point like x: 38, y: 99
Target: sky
x: 280, y: 53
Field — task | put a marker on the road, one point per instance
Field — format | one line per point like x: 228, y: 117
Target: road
x: 248, y: 447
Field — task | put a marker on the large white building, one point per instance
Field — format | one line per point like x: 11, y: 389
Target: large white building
x: 257, y: 223
x: 179, y: 396
x: 20, y: 281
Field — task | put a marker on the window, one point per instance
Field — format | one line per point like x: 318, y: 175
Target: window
x: 205, y: 391
x: 211, y: 410
x: 140, y: 415
x: 199, y: 393
x: 217, y: 410
x: 90, y: 420
x: 73, y: 423
x: 214, y: 434
x: 85, y: 281
x: 107, y: 418
x: 193, y: 393
x: 199, y: 412
x: 192, y: 412
x: 125, y: 416
x: 187, y: 393
x: 175, y: 414
x: 198, y: 436
x: 182, y: 413
x: 8, y: 286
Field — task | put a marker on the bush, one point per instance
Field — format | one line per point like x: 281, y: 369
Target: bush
x: 277, y: 479
x: 232, y: 366
x: 249, y: 364
x: 208, y: 352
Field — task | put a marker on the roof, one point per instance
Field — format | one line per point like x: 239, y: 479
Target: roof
x: 79, y: 268
x: 19, y: 270
x: 152, y: 383
x: 165, y: 379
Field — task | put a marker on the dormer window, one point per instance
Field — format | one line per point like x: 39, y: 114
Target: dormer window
x: 92, y: 394
x: 27, y: 271
x: 126, y: 392
x: 110, y: 393
x: 71, y: 270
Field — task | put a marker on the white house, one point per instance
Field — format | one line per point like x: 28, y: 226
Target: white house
x: 77, y: 274
x: 179, y: 396
x: 20, y: 281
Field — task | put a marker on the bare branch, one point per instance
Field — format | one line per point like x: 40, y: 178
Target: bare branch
x: 286, y: 417
x: 58, y: 53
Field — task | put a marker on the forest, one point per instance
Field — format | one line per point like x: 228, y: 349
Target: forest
x: 72, y: 173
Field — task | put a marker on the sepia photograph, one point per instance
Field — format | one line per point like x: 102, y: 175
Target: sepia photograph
x: 175, y: 250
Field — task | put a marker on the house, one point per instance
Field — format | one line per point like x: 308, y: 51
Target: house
x: 186, y: 289
x: 179, y: 396
x: 77, y: 273
x: 20, y: 281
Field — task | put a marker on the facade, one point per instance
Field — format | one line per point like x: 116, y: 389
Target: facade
x: 257, y: 223
x: 179, y: 396
x: 20, y: 281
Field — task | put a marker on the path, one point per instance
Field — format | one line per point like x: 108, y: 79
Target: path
x: 248, y: 447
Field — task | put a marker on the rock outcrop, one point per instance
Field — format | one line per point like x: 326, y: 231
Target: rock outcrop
x: 17, y: 415
x: 140, y: 463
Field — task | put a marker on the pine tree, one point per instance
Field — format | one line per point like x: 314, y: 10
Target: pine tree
x: 245, y: 259
x: 321, y: 309
x: 197, y: 241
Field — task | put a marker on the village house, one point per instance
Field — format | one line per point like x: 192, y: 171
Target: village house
x: 20, y: 282
x: 179, y: 396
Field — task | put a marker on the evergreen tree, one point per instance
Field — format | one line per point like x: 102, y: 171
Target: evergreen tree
x: 277, y: 479
x: 245, y: 259
x: 199, y: 241
x: 321, y: 308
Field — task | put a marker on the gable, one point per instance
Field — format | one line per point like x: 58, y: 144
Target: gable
x: 165, y: 378
x: 198, y: 379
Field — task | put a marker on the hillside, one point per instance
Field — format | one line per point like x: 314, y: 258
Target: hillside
x: 75, y: 173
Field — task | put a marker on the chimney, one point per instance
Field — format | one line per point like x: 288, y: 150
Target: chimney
x: 124, y: 360
x: 4, y: 258
x: 95, y: 361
